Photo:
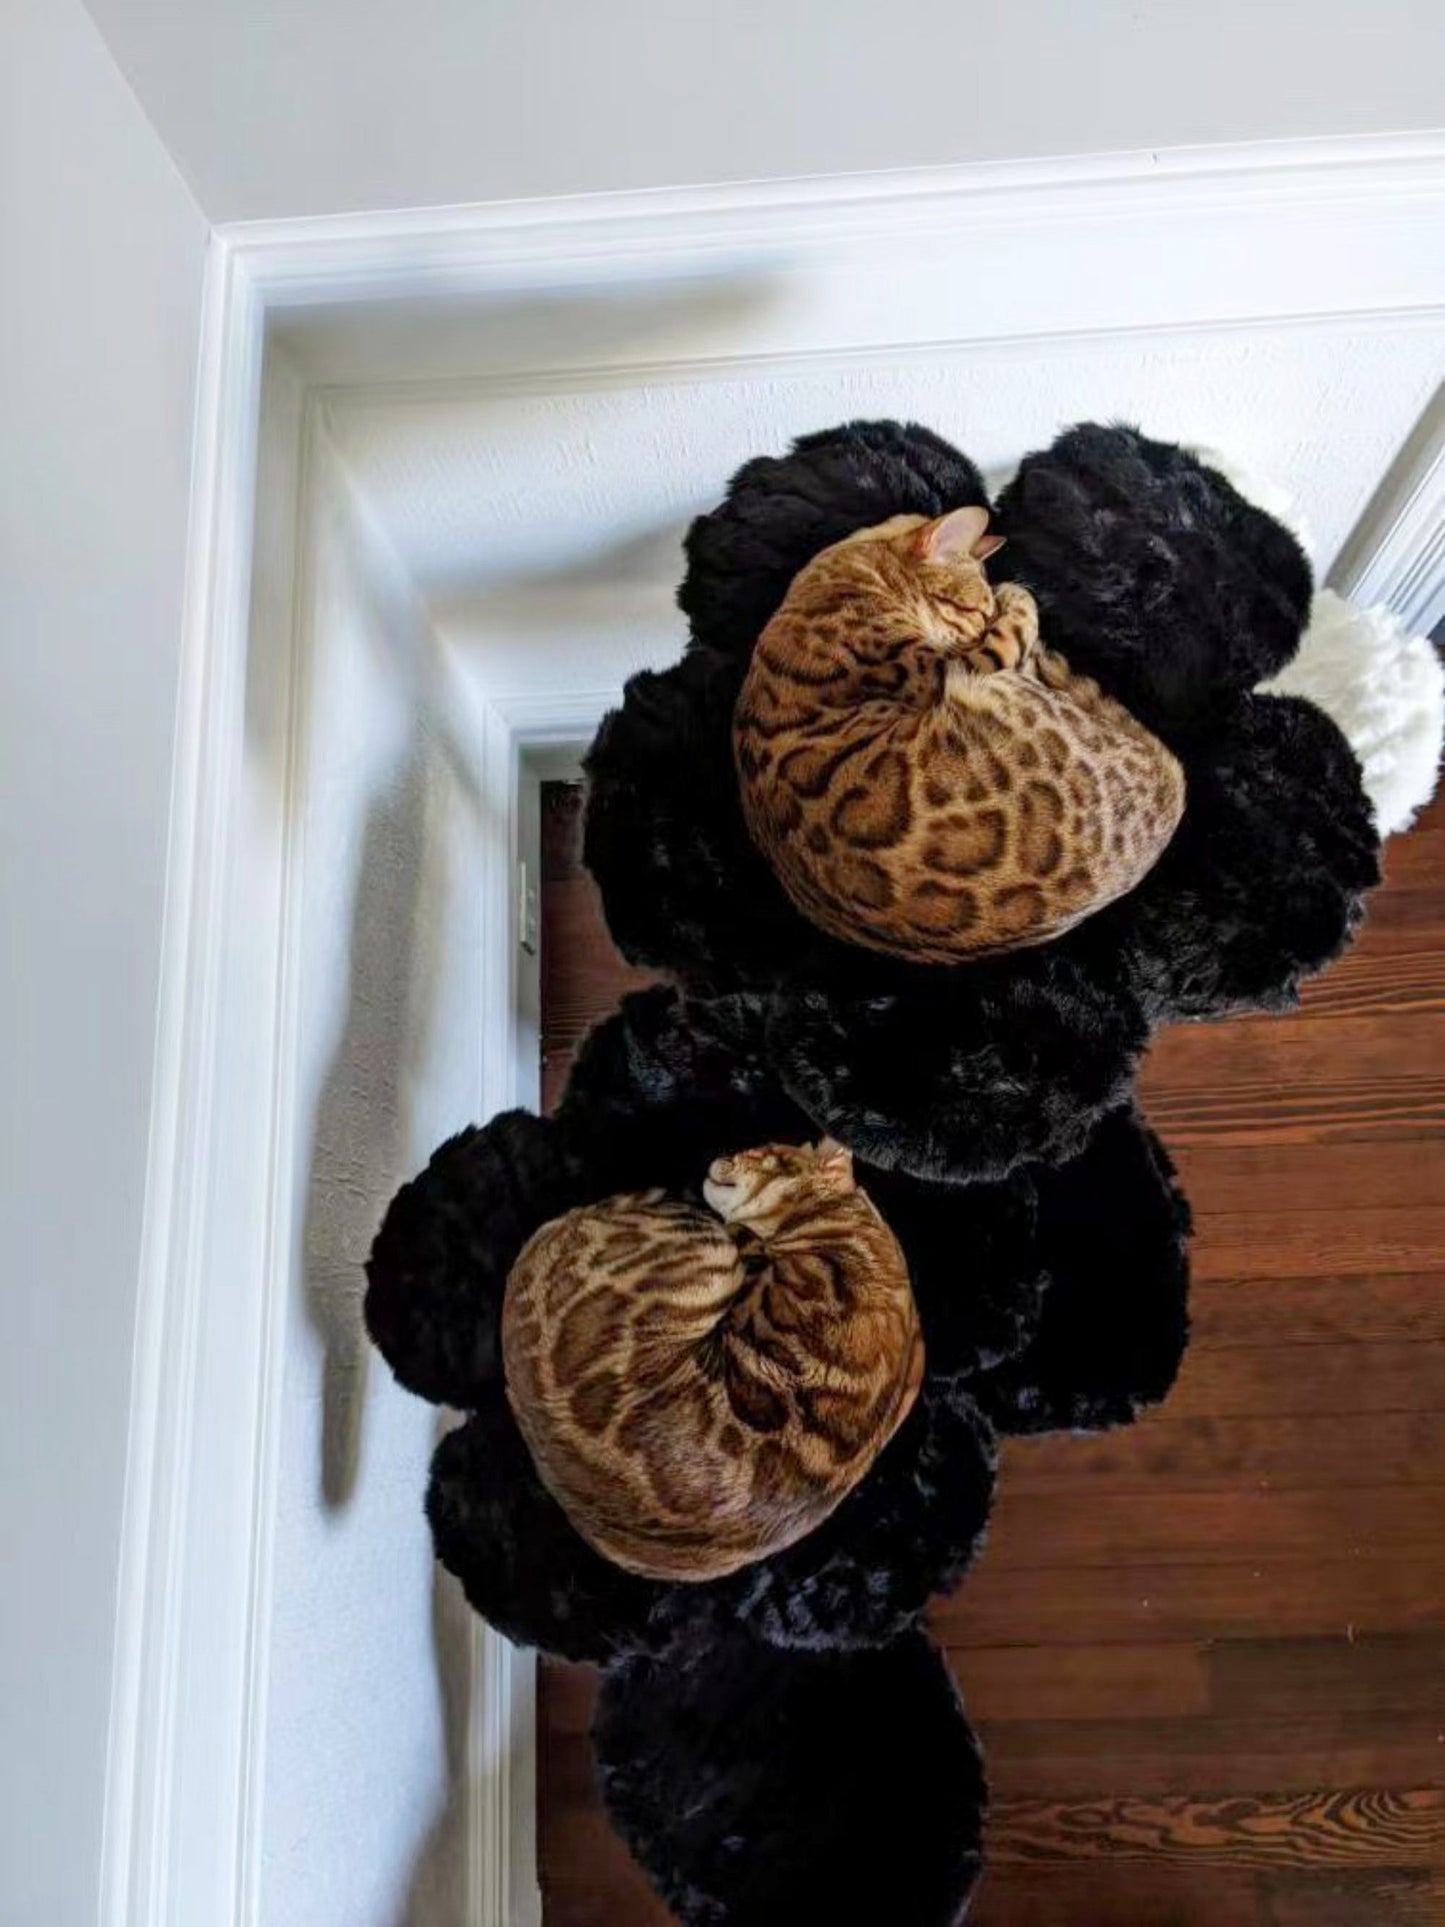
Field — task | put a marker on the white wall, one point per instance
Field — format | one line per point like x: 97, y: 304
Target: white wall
x: 101, y: 260
x: 365, y: 1743
x: 343, y: 104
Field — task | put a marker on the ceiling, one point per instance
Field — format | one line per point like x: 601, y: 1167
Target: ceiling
x: 284, y: 107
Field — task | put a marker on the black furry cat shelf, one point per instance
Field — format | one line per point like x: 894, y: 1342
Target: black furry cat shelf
x: 988, y: 1108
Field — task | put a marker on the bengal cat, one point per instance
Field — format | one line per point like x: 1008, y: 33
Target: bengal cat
x: 924, y: 776
x: 700, y: 1385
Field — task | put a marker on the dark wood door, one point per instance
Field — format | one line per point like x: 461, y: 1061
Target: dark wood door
x: 1206, y: 1655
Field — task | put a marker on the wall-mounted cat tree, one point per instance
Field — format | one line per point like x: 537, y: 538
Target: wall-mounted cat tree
x: 780, y: 1743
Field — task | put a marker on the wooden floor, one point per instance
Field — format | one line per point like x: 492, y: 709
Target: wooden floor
x: 1206, y: 1655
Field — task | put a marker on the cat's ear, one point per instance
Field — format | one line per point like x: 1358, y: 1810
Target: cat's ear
x: 833, y: 1156
x: 986, y: 546
x: 956, y: 534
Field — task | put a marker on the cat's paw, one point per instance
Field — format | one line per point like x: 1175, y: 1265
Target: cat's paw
x: 1016, y: 611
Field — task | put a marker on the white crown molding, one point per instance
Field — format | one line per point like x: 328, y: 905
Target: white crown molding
x: 1200, y: 238
x: 357, y: 256
x: 808, y: 270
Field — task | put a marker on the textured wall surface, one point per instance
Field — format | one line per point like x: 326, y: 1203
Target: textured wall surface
x: 364, y: 1746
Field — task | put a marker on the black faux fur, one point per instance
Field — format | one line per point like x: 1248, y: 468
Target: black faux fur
x: 521, y: 1564
x: 1265, y: 879
x: 759, y: 1789
x: 960, y: 1077
x: 694, y: 894
x: 1153, y: 573
x: 439, y: 1263
x: 1114, y: 1244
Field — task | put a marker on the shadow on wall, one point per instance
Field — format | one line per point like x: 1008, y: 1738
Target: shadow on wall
x: 370, y: 1111
x: 471, y: 339
x: 361, y: 1138
x: 624, y: 584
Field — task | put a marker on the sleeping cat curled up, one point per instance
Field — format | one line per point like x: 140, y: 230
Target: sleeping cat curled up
x: 923, y: 774
x: 701, y: 1384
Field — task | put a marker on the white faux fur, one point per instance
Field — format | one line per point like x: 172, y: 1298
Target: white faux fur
x: 1384, y: 687
x: 1386, y: 690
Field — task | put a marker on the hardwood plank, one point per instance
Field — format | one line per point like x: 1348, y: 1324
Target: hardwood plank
x: 1046, y: 1531
x: 1344, y: 1380
x: 618, y: 1902
x: 1403, y: 1897
x: 1369, y: 1241
x: 1304, y: 1080
x: 571, y: 1695
x: 563, y: 811
x: 1083, y: 1682
x: 1416, y: 861
x: 1389, y: 970
x: 1116, y: 1893
x: 1406, y: 916
x: 586, y: 1872
x: 1192, y: 1454
x: 1268, y: 1678
x: 595, y: 976
x: 1124, y: 1893
x: 1348, y: 1828
x: 1323, y: 1592
x: 1405, y: 1309
x: 573, y: 1776
x: 582, y: 976
x: 1368, y: 1175
x: 1094, y: 1759
x: 1301, y: 1047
